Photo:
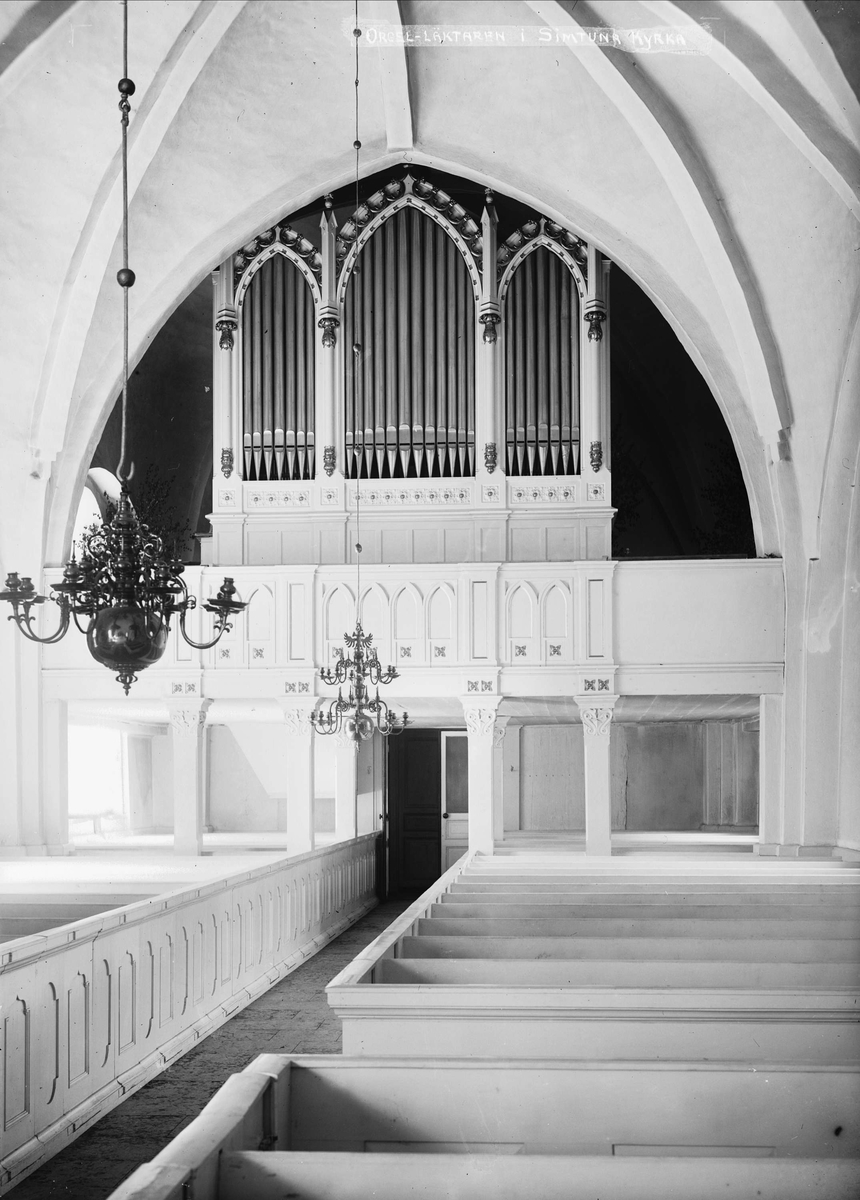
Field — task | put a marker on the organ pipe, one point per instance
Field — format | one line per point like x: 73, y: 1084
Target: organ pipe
x: 410, y: 393
x: 278, y: 373
x: 542, y: 367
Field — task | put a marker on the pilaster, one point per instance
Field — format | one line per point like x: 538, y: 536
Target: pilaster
x: 488, y: 418
x: 327, y: 442
x: 225, y: 447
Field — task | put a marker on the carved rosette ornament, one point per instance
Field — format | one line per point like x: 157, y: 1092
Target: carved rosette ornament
x: 329, y: 460
x: 490, y: 320
x: 226, y: 325
x: 480, y: 722
x: 595, y: 454
x: 596, y: 721
x: 491, y: 457
x: 328, y: 325
x: 227, y: 462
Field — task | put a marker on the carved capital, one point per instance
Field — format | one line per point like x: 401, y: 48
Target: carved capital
x: 329, y: 460
x: 595, y: 454
x: 226, y: 324
x: 297, y: 720
x: 227, y: 462
x: 595, y: 320
x: 187, y: 722
x: 328, y: 325
x: 596, y: 721
x: 491, y: 457
x: 490, y: 320
x: 480, y: 722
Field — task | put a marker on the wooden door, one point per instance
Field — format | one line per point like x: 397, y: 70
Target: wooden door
x: 414, y: 798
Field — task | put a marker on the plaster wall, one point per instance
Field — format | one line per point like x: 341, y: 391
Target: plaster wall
x: 658, y: 777
x: 237, y: 799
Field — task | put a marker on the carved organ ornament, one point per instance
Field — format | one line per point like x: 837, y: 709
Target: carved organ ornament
x: 400, y: 298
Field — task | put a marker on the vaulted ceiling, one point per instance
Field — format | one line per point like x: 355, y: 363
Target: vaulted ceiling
x: 720, y: 173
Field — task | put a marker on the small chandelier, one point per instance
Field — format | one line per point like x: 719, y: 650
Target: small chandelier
x: 125, y: 587
x: 359, y: 715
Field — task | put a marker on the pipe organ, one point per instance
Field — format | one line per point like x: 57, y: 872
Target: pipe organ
x: 412, y: 345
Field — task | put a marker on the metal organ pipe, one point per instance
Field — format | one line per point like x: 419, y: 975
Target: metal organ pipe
x: 542, y: 367
x: 278, y: 373
x: 412, y: 297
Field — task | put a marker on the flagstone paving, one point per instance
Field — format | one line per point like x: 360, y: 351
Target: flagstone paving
x: 293, y: 1017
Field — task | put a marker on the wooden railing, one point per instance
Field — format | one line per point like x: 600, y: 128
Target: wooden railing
x: 93, y: 1010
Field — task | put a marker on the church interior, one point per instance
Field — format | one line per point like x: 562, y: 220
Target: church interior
x: 429, y: 445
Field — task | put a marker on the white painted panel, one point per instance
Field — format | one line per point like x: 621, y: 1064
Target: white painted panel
x: 440, y: 615
x: 480, y: 619
x: 699, y: 612
x: 407, y: 616
x: 521, y: 611
x: 260, y: 615
x: 556, y: 612
x: 397, y: 545
x: 298, y: 622
x: 596, y: 633
x: 264, y: 546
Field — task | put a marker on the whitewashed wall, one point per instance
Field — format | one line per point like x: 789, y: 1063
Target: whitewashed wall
x: 664, y: 776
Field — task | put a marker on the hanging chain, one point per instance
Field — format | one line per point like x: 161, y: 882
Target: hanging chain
x: 356, y: 32
x: 125, y: 276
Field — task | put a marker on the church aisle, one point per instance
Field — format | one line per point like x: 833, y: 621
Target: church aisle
x: 292, y: 1018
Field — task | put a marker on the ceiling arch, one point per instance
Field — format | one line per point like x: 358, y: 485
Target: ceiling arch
x: 245, y: 112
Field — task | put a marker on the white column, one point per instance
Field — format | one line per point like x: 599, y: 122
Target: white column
x: 299, y: 742
x: 55, y: 776
x: 188, y: 742
x: 770, y: 789
x: 596, y: 726
x: 483, y: 735
x: 345, y: 810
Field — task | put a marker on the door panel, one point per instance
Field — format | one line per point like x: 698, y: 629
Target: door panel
x: 455, y: 797
x: 414, y: 788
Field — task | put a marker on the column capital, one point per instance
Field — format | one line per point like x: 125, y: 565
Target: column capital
x: 297, y: 716
x: 187, y: 720
x: 596, y: 715
x: 481, y: 717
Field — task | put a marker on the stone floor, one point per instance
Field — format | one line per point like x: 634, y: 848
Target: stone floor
x: 292, y: 1018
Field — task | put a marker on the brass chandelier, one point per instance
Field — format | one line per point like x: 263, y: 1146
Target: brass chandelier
x: 126, y: 588
x: 358, y: 715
